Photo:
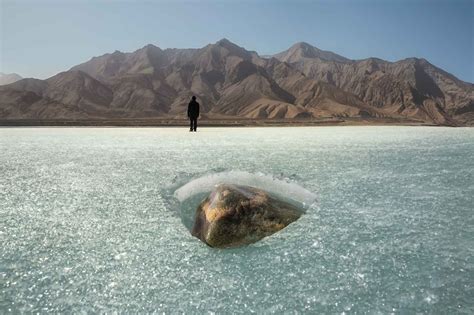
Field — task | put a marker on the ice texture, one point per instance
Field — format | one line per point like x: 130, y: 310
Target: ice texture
x: 89, y: 222
x: 269, y: 183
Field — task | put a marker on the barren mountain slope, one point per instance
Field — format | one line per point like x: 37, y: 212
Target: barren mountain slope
x: 411, y: 87
x: 229, y: 81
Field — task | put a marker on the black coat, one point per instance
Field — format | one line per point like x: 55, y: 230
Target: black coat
x: 193, y: 109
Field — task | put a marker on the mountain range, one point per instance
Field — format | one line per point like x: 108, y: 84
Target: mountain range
x: 300, y: 83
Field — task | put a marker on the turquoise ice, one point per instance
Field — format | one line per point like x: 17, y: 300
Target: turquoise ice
x: 91, y: 220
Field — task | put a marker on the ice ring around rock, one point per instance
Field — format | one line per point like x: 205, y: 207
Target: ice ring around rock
x: 240, y: 208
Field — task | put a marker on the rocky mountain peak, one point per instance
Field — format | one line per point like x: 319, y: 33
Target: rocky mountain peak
x: 304, y: 50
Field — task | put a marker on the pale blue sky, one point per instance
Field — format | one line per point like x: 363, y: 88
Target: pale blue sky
x: 40, y: 38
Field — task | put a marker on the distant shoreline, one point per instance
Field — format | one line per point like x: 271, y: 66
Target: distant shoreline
x: 148, y: 122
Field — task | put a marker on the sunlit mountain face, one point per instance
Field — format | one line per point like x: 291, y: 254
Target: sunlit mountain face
x: 303, y: 82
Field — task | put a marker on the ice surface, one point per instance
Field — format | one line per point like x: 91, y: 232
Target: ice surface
x: 89, y: 222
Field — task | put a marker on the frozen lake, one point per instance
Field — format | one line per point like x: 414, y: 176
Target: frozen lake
x: 89, y: 221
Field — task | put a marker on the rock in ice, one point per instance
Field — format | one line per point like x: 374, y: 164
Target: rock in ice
x: 236, y: 215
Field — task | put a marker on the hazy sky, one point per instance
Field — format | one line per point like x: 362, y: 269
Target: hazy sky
x: 40, y: 38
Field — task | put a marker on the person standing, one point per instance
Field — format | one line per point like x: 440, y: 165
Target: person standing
x: 193, y: 114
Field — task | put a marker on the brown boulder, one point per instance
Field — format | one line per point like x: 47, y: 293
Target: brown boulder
x: 234, y: 215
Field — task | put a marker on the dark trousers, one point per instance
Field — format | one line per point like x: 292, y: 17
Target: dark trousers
x: 193, y: 123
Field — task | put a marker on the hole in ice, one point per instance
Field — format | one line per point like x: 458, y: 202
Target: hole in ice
x: 192, y: 193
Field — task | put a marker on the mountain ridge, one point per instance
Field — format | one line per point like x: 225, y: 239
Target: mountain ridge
x: 301, y: 82
x: 8, y: 78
